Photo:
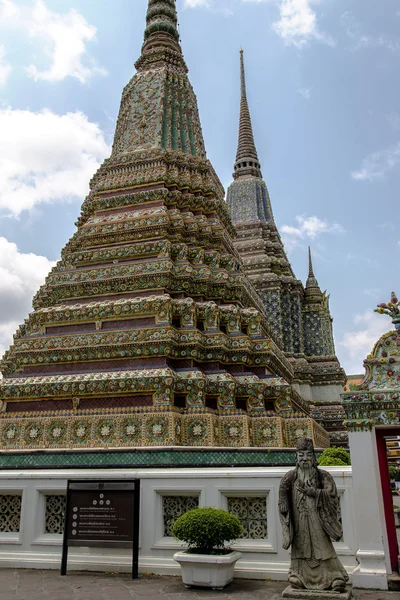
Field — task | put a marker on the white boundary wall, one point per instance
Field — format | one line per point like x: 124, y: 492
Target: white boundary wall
x: 262, y: 559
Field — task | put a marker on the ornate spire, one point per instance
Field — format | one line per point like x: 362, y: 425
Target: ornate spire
x: 312, y: 285
x: 159, y: 108
x: 161, y: 19
x: 310, y: 265
x: 247, y: 163
x: 161, y: 36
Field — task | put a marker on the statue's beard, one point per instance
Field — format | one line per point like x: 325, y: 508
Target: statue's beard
x: 307, y: 473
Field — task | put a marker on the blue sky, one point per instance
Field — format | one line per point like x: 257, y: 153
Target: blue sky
x: 323, y: 88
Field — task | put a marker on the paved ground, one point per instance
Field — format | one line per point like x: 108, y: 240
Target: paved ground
x: 24, y: 584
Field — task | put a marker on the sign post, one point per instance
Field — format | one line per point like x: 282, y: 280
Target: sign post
x: 103, y: 514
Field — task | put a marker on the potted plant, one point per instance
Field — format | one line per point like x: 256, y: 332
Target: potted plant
x: 207, y: 562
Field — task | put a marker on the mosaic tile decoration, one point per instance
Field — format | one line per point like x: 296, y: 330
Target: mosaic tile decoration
x: 167, y: 458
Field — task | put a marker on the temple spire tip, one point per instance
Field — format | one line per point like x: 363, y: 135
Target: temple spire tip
x: 242, y: 76
x: 162, y: 24
x: 312, y: 285
x: 310, y: 264
x: 247, y: 162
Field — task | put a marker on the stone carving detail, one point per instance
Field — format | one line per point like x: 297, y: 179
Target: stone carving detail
x: 174, y: 507
x: 252, y: 513
x: 54, y: 514
x: 10, y: 512
x: 309, y: 509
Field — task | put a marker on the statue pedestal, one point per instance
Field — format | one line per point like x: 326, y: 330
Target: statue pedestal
x: 303, y: 594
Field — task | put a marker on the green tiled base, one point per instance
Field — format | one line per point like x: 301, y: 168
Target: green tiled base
x: 148, y: 458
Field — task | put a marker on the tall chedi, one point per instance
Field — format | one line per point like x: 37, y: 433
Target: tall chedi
x: 298, y: 317
x: 147, y: 332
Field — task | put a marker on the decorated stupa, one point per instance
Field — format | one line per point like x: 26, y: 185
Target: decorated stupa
x: 153, y: 330
x: 298, y: 316
x: 375, y: 401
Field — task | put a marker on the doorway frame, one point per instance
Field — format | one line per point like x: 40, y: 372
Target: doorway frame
x: 380, y: 434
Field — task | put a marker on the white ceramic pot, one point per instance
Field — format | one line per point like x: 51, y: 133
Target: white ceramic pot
x: 204, y: 570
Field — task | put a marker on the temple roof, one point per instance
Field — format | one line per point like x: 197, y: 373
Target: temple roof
x: 247, y: 162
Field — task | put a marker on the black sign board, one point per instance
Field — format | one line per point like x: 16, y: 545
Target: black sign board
x: 102, y: 513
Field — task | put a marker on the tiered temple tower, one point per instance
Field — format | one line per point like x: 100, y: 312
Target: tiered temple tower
x: 298, y: 317
x: 147, y: 332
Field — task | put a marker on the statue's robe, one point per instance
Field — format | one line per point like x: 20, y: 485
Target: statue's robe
x: 308, y: 525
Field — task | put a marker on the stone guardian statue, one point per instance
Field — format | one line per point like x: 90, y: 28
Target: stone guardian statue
x: 309, y: 513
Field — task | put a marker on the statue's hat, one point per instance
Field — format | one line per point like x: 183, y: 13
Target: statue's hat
x: 304, y: 444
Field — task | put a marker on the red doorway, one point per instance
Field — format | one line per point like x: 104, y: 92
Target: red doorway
x: 381, y: 435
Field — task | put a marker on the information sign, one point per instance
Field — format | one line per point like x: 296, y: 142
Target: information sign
x: 102, y: 513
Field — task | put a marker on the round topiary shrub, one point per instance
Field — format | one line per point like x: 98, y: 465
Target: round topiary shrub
x: 206, y: 530
x: 334, y: 457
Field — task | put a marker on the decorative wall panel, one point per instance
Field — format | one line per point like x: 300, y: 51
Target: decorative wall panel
x: 252, y: 513
x: 174, y: 507
x: 10, y: 512
x: 54, y: 514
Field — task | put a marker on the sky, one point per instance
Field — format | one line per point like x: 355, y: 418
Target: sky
x: 323, y: 89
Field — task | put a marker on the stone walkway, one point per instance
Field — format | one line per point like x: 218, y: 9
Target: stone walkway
x: 24, y: 584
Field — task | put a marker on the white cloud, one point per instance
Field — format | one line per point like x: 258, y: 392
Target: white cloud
x: 373, y: 292
x: 219, y: 6
x: 7, y: 331
x: 20, y: 277
x: 64, y: 38
x: 8, y: 10
x: 377, y: 164
x: 361, y: 258
x: 356, y: 344
x: 46, y: 157
x: 305, y: 92
x: 196, y: 3
x: 298, y: 24
x: 308, y: 228
x: 363, y: 40
x: 5, y: 68
x: 394, y: 120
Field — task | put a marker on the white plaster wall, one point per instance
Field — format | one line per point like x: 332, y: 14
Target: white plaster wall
x: 373, y: 552
x: 327, y: 394
x: 304, y: 390
x: 262, y: 559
